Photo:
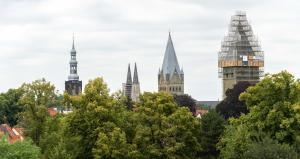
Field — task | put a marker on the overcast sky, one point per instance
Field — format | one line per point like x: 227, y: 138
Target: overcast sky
x: 36, y: 37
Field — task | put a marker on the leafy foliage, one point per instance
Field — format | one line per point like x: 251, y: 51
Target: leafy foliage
x: 270, y: 149
x: 165, y: 130
x: 102, y: 127
x: 274, y: 110
x: 231, y: 106
x: 37, y: 96
x: 95, y: 114
x: 10, y: 106
x: 212, y: 126
x: 18, y: 150
x: 186, y: 101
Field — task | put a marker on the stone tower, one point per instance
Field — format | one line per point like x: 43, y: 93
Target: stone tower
x: 73, y: 86
x: 170, y: 76
x: 127, y: 87
x: 241, y: 57
x: 135, y: 85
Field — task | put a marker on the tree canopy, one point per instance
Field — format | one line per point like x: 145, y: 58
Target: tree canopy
x: 36, y: 98
x: 159, y: 125
x: 101, y: 126
x: 19, y: 150
x: 274, y: 110
x: 10, y: 106
x: 186, y: 101
x: 231, y: 106
x: 211, y: 129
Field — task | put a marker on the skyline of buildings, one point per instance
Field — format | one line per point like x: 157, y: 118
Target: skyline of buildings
x: 197, y: 29
x: 240, y: 59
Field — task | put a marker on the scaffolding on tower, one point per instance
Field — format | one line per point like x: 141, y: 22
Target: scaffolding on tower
x: 240, y: 50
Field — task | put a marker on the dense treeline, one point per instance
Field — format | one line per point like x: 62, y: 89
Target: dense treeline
x: 266, y: 125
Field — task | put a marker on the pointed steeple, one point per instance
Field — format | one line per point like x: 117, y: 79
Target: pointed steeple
x: 135, y: 75
x: 73, y: 46
x: 129, y: 79
x: 73, y: 64
x: 73, y: 85
x: 170, y: 63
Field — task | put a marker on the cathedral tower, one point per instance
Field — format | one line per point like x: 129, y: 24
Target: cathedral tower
x: 73, y: 86
x: 127, y: 87
x: 135, y: 85
x: 241, y: 57
x: 170, y: 76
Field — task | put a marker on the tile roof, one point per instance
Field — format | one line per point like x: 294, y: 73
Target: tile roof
x: 13, y: 134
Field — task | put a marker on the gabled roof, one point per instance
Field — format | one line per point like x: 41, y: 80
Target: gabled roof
x: 13, y: 134
x: 135, y: 75
x: 170, y: 63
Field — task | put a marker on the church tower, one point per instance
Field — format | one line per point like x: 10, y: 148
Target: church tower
x: 241, y: 57
x: 73, y: 86
x: 135, y: 85
x: 170, y: 76
x: 127, y: 87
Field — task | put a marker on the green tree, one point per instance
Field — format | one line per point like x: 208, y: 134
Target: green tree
x: 51, y: 142
x: 113, y: 144
x: 270, y: 149
x: 274, y: 110
x: 94, y: 115
x: 19, y: 150
x: 212, y: 126
x: 101, y: 126
x: 10, y: 106
x: 37, y: 96
x: 164, y: 130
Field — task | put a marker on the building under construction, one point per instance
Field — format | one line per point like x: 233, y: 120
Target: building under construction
x: 241, y: 57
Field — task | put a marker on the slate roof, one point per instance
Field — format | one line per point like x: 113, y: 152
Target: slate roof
x: 170, y: 64
x: 208, y: 103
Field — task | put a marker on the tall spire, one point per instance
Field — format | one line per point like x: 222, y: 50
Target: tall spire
x: 73, y: 64
x: 170, y: 63
x: 73, y: 86
x: 170, y: 76
x: 129, y: 79
x: 135, y: 75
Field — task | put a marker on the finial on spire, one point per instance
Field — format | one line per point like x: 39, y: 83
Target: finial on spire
x: 73, y: 46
